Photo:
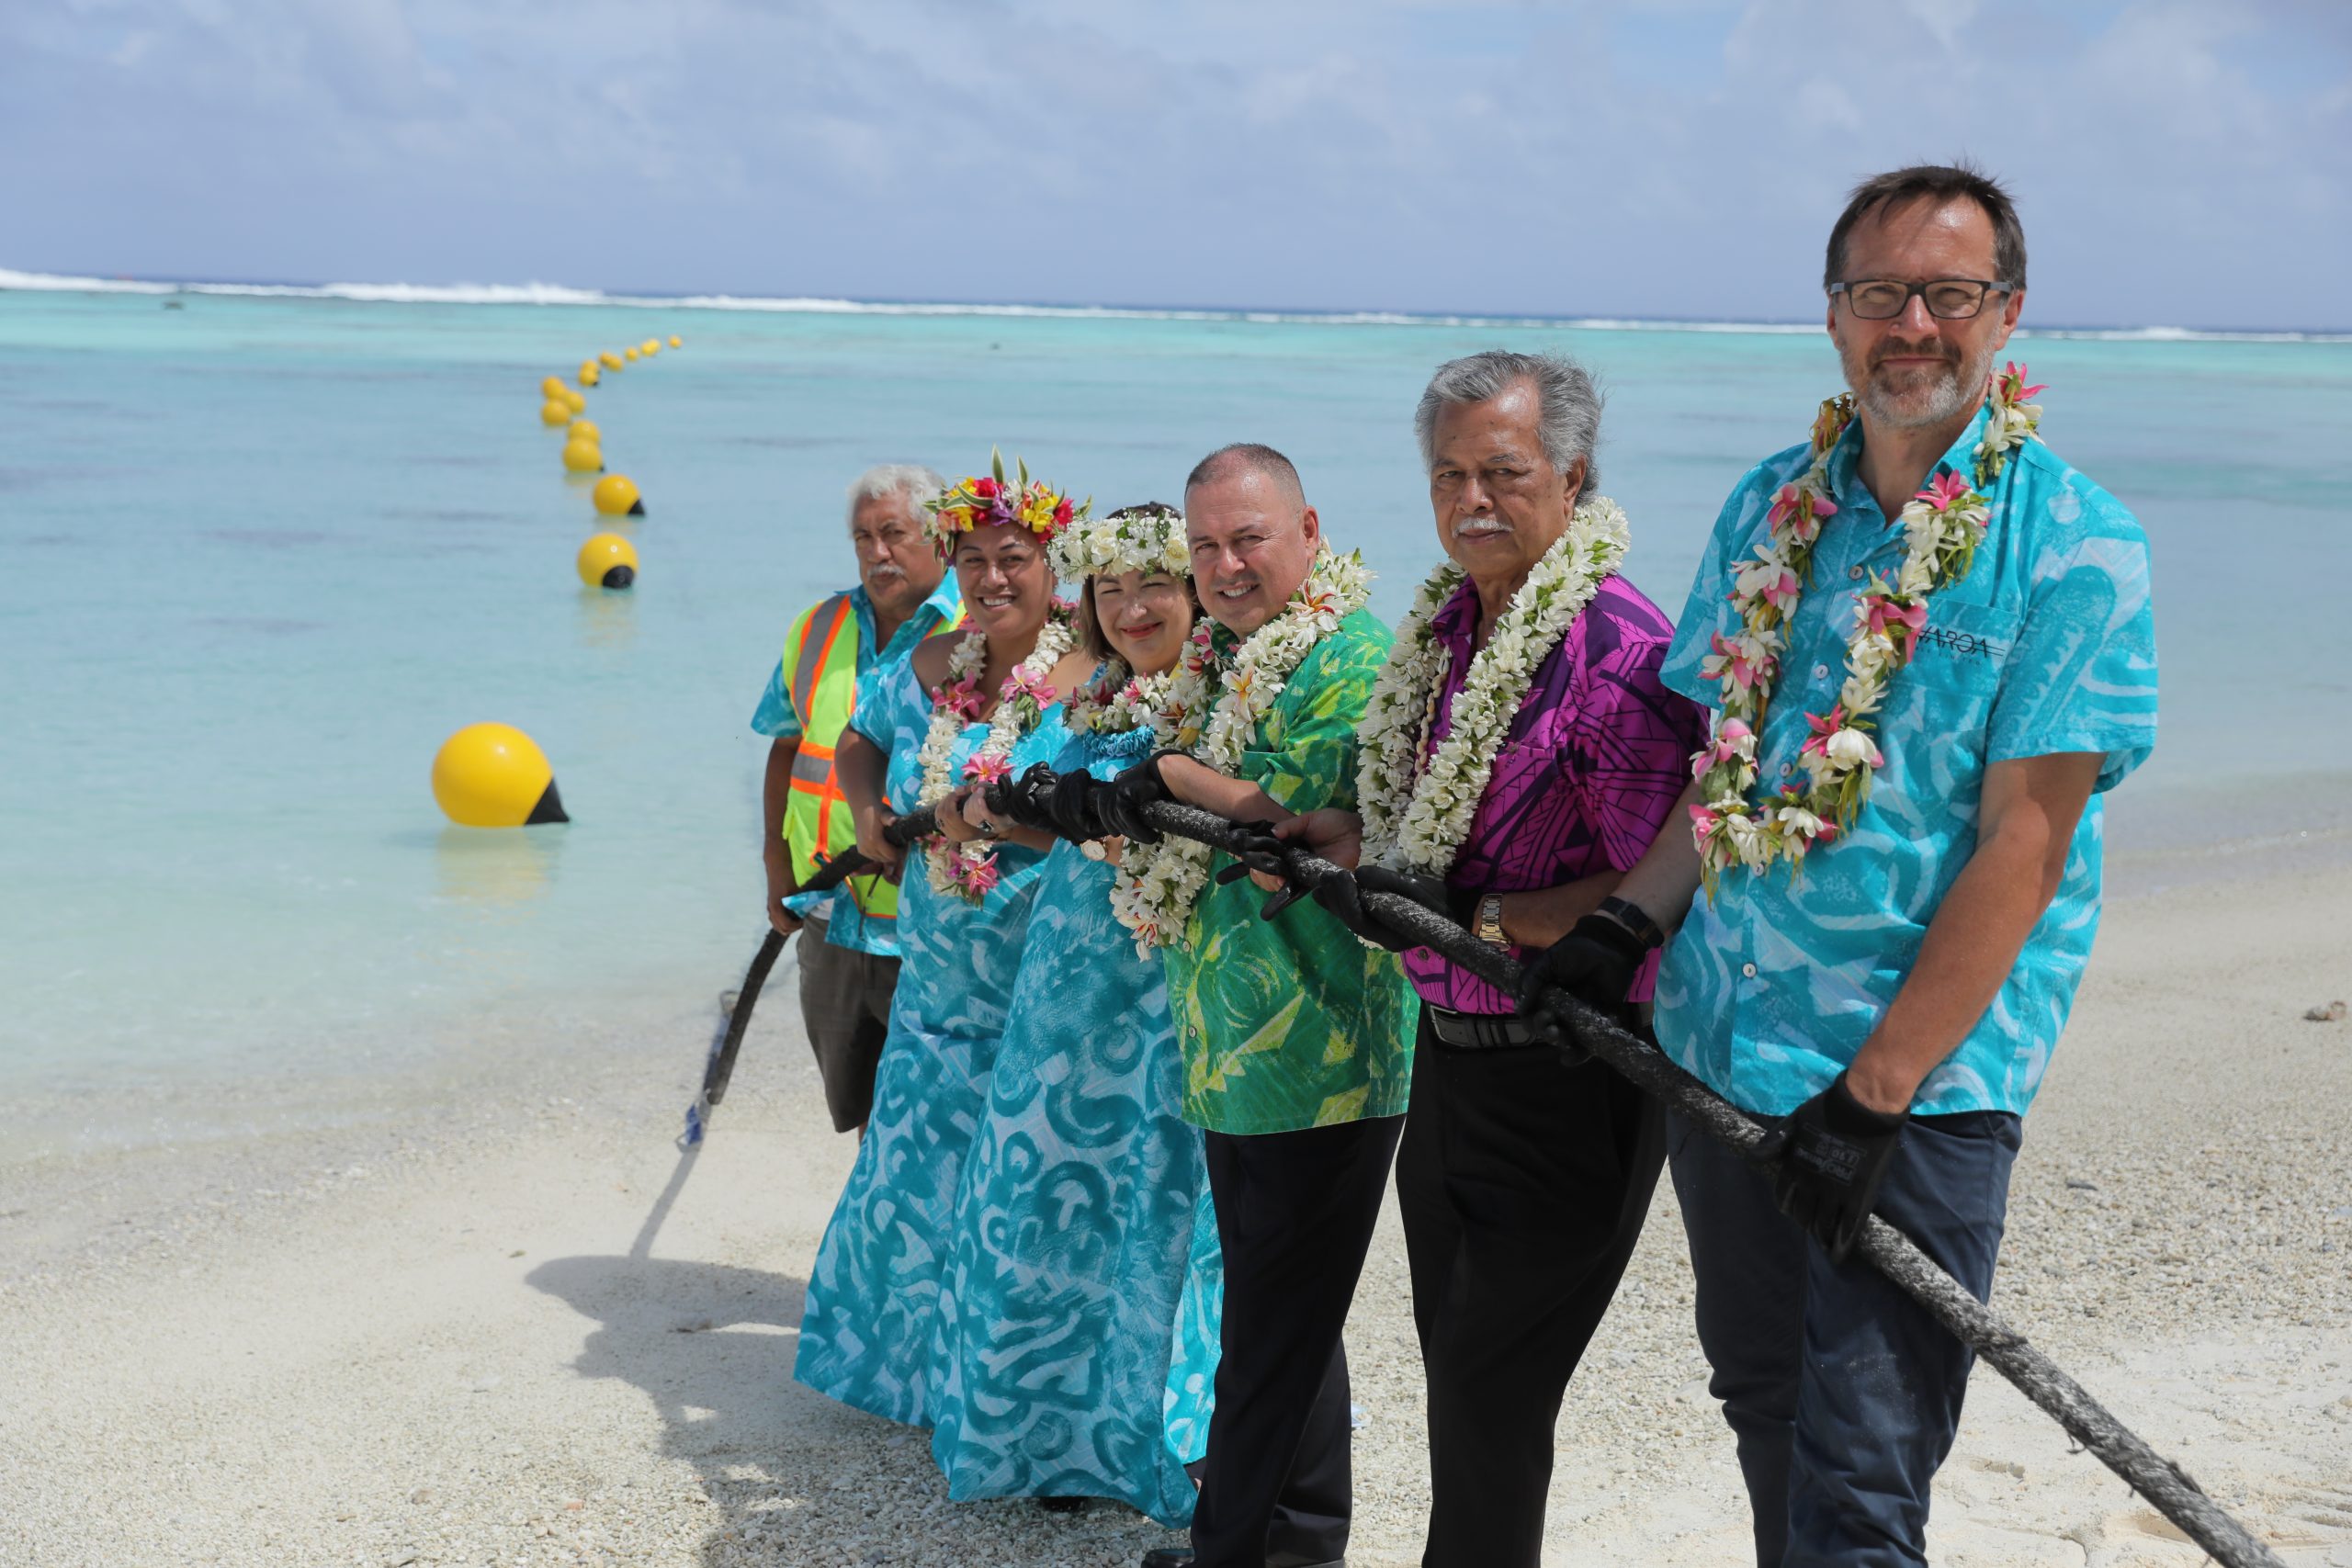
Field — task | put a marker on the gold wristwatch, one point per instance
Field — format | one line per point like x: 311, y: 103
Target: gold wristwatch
x: 1489, y: 927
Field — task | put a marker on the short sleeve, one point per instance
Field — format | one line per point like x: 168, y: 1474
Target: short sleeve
x: 1707, y: 610
x: 2082, y: 676
x: 774, y: 716
x: 881, y: 691
x: 1313, y: 764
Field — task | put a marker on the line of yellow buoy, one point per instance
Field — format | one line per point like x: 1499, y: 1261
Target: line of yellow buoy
x: 493, y: 775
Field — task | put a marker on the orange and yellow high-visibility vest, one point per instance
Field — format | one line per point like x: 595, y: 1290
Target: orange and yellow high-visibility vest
x: 820, y: 677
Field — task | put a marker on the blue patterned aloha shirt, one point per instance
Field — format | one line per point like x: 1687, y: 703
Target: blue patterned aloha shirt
x: 2048, y: 645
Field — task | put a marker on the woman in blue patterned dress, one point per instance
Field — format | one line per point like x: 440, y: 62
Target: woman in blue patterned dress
x: 967, y: 706
x: 1078, y: 1328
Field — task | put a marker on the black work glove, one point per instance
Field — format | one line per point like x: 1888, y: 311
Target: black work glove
x: 1258, y: 849
x: 1118, y: 805
x: 1595, y: 962
x: 1072, y: 808
x: 1023, y: 797
x: 1830, y: 1154
x: 1344, y: 897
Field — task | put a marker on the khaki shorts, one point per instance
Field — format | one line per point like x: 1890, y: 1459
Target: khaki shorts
x: 846, y: 1006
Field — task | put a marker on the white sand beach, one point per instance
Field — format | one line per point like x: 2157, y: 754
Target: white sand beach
x: 435, y: 1345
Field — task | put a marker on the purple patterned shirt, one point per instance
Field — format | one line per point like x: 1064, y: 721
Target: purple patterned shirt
x: 1595, y: 758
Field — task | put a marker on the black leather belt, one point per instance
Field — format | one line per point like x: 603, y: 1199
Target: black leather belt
x: 1477, y: 1031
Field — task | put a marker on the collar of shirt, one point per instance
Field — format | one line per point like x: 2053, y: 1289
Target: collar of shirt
x: 933, y: 612
x: 1845, y: 461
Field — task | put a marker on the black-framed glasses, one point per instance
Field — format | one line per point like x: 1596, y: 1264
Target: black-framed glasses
x: 1949, y: 299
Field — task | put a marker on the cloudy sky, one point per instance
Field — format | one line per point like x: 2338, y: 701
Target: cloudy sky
x: 2176, y: 163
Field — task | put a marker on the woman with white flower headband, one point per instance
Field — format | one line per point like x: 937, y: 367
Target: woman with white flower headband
x: 1078, y: 1319
x: 969, y: 706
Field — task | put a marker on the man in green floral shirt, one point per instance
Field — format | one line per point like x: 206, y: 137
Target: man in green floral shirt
x: 1297, y: 1038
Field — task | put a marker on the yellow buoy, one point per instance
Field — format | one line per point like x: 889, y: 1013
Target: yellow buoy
x: 607, y: 561
x: 616, y: 496
x: 552, y: 386
x: 628, y: 353
x: 555, y: 410
x: 612, y: 361
x: 584, y: 430
x: 589, y: 375
x: 587, y: 364
x: 583, y: 456
x: 493, y: 775
x: 572, y: 400
x: 651, y: 345
x: 674, y: 342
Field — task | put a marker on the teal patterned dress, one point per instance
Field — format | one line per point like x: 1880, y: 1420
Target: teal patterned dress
x: 866, y: 1334
x: 1078, y: 1324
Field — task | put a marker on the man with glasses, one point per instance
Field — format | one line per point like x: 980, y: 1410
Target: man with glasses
x: 1932, y: 646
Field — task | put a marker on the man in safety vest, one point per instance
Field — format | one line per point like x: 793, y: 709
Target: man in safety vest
x: 849, y: 949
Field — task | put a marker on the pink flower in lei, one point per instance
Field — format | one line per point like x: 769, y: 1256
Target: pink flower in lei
x: 1884, y: 612
x: 961, y: 697
x: 1037, y: 689
x: 1823, y: 726
x: 1798, y: 512
x: 2008, y: 384
x: 975, y: 879
x: 1728, y: 748
x: 1744, y: 669
x: 1946, y: 491
x: 979, y: 769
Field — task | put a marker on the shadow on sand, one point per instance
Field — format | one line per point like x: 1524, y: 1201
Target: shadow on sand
x: 791, y: 1475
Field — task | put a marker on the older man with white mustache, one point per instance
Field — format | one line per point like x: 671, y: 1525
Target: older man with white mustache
x: 1525, y: 685
x: 849, y: 954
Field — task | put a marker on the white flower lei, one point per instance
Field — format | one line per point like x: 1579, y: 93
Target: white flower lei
x: 1159, y: 882
x: 969, y: 870
x: 1415, y: 815
x: 1117, y: 699
x: 1943, y: 526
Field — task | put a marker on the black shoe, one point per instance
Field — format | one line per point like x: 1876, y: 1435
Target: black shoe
x: 1168, y: 1557
x: 1062, y: 1504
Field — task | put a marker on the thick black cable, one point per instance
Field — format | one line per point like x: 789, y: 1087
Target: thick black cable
x: 2162, y: 1482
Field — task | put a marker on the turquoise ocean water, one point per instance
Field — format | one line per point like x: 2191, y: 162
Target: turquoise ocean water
x: 263, y: 553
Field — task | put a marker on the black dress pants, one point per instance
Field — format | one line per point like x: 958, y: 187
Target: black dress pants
x: 1525, y: 1184
x: 1294, y: 1214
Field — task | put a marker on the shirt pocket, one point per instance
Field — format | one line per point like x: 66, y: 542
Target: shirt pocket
x: 1965, y: 649
x: 1529, y: 792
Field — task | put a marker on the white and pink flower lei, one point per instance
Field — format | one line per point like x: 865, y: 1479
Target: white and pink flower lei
x: 1159, y: 883
x: 1943, y: 526
x: 969, y: 870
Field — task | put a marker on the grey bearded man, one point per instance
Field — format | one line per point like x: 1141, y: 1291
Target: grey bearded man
x: 1931, y: 648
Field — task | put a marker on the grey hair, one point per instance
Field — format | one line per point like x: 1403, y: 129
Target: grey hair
x: 918, y: 483
x: 1568, y: 403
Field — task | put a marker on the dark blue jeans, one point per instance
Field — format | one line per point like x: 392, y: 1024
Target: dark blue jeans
x: 1843, y: 1394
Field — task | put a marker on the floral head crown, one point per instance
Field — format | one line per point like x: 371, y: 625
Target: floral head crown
x: 991, y: 501
x: 1145, y: 538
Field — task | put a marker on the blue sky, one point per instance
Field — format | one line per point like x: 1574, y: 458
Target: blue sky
x: 2177, y: 164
